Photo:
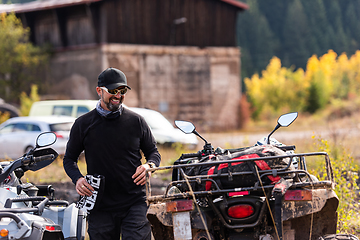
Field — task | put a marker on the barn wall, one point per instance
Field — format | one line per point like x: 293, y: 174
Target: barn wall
x: 189, y: 83
x: 73, y: 74
x: 208, y: 22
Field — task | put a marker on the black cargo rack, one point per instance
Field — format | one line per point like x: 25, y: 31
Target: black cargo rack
x: 302, y: 176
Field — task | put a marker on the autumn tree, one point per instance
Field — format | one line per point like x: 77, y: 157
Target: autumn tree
x: 20, y: 60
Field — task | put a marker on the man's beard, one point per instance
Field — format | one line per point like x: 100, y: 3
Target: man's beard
x: 113, y: 107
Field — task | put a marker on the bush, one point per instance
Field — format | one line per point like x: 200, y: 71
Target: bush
x: 21, y: 61
x: 346, y: 175
x: 327, y: 78
x: 27, y: 101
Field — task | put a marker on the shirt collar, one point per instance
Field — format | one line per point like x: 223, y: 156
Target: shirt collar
x: 104, y: 112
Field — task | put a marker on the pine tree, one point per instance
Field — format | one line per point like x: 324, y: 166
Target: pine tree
x: 255, y: 36
x: 296, y: 36
x: 352, y: 27
x: 315, y: 11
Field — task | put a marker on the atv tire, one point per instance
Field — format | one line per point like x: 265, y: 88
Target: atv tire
x: 339, y: 237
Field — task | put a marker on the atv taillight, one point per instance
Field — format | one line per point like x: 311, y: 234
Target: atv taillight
x: 241, y: 193
x: 241, y: 211
x: 50, y: 228
x: 179, y: 206
x: 298, y: 195
x: 4, y: 232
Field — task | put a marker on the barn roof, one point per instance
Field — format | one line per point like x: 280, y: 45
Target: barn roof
x: 41, y: 5
x: 50, y: 4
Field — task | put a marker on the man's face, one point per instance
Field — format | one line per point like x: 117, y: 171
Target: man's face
x: 110, y: 102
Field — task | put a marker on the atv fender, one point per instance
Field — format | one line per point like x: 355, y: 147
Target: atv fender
x: 294, y: 209
x: 70, y: 218
x: 158, y: 210
x: 312, y: 218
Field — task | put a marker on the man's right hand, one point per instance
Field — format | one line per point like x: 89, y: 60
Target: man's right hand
x: 83, y: 187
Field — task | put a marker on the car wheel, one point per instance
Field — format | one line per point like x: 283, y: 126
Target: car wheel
x: 28, y: 148
x: 340, y: 236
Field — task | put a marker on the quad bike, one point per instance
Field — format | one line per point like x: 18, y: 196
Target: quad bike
x: 260, y: 192
x: 30, y: 212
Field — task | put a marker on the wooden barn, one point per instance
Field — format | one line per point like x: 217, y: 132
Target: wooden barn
x: 180, y: 56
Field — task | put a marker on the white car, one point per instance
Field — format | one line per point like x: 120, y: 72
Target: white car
x: 163, y: 131
x: 18, y: 135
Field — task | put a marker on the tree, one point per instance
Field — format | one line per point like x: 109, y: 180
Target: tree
x: 352, y: 27
x: 258, y: 42
x: 20, y: 61
x: 318, y: 23
x: 296, y: 36
x: 294, y: 30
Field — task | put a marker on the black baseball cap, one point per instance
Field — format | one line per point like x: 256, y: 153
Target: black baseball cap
x: 112, y: 78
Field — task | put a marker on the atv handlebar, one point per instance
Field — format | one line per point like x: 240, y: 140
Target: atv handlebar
x: 191, y: 155
x: 44, y: 158
x: 201, y: 154
x: 38, y: 159
x: 287, y: 148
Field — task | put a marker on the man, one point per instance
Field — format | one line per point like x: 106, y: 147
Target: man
x: 111, y: 137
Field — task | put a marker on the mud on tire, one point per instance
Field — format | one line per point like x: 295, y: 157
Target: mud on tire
x: 339, y: 237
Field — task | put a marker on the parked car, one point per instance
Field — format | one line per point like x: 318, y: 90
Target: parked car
x: 163, y: 131
x: 73, y: 108
x: 18, y: 134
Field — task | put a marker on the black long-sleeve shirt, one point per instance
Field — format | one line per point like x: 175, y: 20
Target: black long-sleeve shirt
x: 112, y: 149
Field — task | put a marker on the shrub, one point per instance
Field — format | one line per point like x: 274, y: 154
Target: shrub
x: 346, y: 175
x: 27, y: 101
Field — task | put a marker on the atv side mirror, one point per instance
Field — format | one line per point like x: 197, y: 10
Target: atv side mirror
x: 186, y: 127
x: 283, y: 121
x: 286, y: 119
x: 45, y: 139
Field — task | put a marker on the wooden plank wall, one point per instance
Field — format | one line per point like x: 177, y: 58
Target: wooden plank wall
x: 209, y: 22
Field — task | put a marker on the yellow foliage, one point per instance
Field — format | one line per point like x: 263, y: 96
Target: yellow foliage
x: 326, y: 78
x: 26, y: 102
x: 20, y: 60
x: 4, y: 116
x: 278, y: 89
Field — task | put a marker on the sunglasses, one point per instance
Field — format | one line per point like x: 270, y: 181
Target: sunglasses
x: 115, y: 91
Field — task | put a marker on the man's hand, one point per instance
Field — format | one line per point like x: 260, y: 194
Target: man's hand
x: 83, y: 187
x: 140, y: 174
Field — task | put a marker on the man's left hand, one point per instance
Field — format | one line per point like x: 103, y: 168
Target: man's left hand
x: 140, y: 174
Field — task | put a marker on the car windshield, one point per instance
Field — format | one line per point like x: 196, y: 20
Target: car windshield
x: 60, y: 126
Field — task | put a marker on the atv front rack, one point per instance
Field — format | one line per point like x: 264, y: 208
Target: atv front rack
x: 39, y: 204
x: 301, y: 177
